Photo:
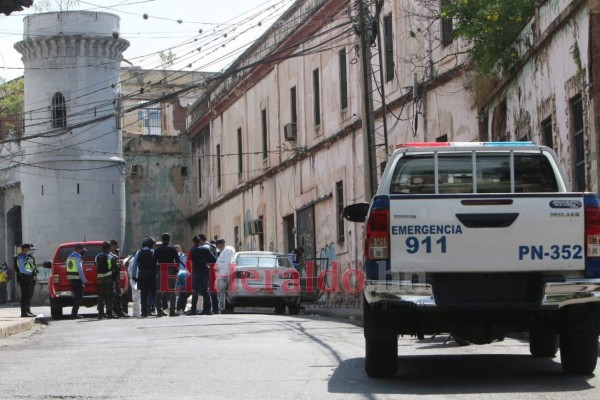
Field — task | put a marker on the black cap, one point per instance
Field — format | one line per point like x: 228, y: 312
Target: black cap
x: 220, y: 241
x: 26, y: 246
x: 105, y: 245
x: 80, y: 246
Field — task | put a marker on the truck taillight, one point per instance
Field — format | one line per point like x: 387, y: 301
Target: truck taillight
x: 377, y: 239
x: 592, y: 236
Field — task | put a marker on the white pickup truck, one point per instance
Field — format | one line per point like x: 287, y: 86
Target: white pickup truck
x: 480, y: 240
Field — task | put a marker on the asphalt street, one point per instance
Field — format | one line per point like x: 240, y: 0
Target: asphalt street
x: 261, y: 356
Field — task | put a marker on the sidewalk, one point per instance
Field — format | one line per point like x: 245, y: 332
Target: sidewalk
x: 11, y: 321
x: 348, y: 309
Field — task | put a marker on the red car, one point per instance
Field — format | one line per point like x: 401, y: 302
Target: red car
x: 59, y: 287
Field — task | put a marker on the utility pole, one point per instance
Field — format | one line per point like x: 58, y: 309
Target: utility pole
x: 368, y: 123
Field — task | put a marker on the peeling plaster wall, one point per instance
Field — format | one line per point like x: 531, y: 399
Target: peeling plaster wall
x: 158, y: 194
x: 544, y: 86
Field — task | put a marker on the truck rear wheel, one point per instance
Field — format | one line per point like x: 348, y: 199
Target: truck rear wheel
x: 381, y: 358
x: 543, y: 344
x: 578, y: 354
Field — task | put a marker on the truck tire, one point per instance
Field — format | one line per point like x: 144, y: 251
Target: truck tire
x: 381, y: 358
x: 578, y: 354
x: 543, y: 344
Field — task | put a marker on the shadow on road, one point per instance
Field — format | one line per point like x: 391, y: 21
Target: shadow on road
x: 459, y: 374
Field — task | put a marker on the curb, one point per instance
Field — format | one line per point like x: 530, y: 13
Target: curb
x: 352, y: 318
x: 10, y: 327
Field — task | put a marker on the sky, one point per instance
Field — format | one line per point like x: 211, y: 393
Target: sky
x: 203, y: 35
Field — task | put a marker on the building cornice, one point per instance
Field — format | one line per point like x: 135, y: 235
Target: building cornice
x: 71, y: 46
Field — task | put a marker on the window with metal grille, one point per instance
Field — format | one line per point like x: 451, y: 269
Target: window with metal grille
x: 339, y: 194
x: 316, y: 97
x: 218, y: 165
x: 59, y: 111
x: 293, y: 105
x: 240, y: 154
x: 265, y: 133
x: 446, y: 27
x: 547, y: 139
x: 343, y: 79
x: 150, y: 120
x: 388, y: 36
x: 578, y: 141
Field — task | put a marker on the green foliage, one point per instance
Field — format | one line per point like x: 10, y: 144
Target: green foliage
x: 11, y: 102
x: 491, y: 27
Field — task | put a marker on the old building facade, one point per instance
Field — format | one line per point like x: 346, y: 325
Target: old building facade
x: 278, y: 148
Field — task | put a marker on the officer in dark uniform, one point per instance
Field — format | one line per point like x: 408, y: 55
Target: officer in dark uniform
x: 201, y: 256
x: 116, y: 275
x: 166, y: 254
x: 26, y: 269
x: 144, y: 273
x: 105, y: 263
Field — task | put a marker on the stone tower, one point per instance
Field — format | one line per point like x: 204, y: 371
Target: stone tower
x: 72, y: 170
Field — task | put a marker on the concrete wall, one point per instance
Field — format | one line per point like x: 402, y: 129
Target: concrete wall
x: 556, y: 67
x: 158, y: 193
x: 303, y: 173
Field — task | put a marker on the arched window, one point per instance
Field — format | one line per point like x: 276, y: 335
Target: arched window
x: 59, y: 111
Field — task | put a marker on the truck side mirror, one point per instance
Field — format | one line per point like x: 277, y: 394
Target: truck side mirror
x: 356, y: 212
x: 47, y: 264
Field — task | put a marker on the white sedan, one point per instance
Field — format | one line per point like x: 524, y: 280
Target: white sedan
x: 263, y: 279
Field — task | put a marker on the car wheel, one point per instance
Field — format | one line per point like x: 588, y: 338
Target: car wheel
x: 228, y: 309
x: 543, y: 344
x: 381, y: 358
x: 56, y: 312
x: 294, y: 309
x: 578, y: 354
x: 280, y: 308
x: 460, y: 341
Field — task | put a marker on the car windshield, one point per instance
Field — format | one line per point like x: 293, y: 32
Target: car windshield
x: 90, y: 254
x: 264, y: 261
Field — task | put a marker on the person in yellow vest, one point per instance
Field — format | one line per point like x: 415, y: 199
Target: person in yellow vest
x: 4, y: 278
x: 105, y: 263
x: 76, y: 277
x: 27, y: 269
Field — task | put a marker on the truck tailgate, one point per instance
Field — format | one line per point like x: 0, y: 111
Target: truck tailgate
x: 481, y: 233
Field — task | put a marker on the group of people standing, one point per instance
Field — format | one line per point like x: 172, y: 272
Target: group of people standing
x: 107, y: 270
x: 146, y: 274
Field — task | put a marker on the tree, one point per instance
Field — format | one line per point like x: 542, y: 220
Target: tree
x: 54, y: 5
x: 492, y: 27
x: 11, y: 107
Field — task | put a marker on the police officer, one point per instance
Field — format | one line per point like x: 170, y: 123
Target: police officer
x: 118, y: 299
x: 166, y: 254
x: 143, y: 272
x: 76, y: 277
x: 201, y: 255
x: 26, y: 267
x: 105, y: 263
